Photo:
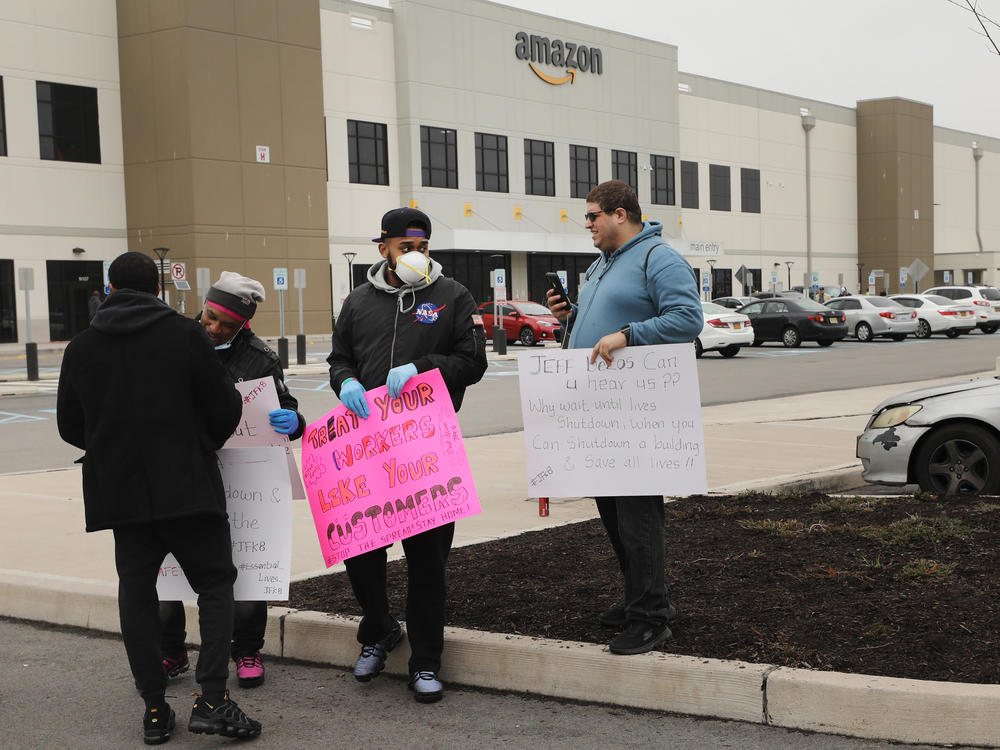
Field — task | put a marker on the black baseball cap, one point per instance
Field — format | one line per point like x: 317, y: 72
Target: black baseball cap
x: 396, y: 222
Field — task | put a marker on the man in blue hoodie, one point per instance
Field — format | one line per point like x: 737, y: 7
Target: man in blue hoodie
x: 638, y: 292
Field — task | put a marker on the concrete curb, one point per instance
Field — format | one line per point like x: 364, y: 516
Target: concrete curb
x: 834, y: 479
x: 858, y: 705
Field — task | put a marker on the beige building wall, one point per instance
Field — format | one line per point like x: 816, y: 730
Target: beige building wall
x: 895, y: 187
x: 203, y: 84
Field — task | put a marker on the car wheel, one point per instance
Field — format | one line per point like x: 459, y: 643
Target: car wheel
x: 990, y: 329
x: 959, y: 458
x: 952, y: 334
x: 790, y: 337
x: 698, y: 349
x: 863, y: 332
x: 729, y: 351
x: 527, y: 336
x: 924, y: 330
x: 898, y: 336
x: 825, y: 342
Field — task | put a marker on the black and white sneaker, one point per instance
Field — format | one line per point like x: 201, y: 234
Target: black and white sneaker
x: 372, y: 659
x: 426, y: 687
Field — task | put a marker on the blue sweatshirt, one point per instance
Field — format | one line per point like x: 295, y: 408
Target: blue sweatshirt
x: 661, y: 305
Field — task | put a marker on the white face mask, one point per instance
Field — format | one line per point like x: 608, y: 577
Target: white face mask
x: 230, y: 342
x: 413, y: 266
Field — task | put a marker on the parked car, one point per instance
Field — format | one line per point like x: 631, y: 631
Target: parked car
x: 734, y: 303
x: 868, y: 317
x: 725, y: 331
x: 985, y: 298
x: 943, y: 438
x: 936, y: 314
x: 524, y: 321
x: 792, y: 320
x: 787, y: 293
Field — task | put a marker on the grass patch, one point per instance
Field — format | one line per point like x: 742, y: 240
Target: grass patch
x: 922, y: 569
x: 879, y: 631
x: 847, y: 504
x: 919, y: 530
x: 784, y: 527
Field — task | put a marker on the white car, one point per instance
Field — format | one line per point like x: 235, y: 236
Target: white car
x: 986, y: 300
x: 936, y: 314
x: 944, y: 438
x: 725, y: 331
x: 868, y: 317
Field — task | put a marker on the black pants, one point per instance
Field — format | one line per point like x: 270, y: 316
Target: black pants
x: 249, y: 624
x: 635, y: 528
x: 202, y: 547
x: 426, y: 555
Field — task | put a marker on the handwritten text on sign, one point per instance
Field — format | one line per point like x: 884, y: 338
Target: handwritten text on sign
x: 629, y: 428
x: 260, y: 398
x: 402, y: 471
x: 259, y: 503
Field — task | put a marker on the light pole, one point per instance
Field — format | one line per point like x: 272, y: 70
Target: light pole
x: 808, y: 123
x: 977, y: 154
x: 789, y: 263
x: 860, y: 266
x: 711, y: 277
x: 161, y: 253
x: 350, y: 274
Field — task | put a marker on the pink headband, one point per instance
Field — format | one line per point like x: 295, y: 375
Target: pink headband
x: 227, y: 311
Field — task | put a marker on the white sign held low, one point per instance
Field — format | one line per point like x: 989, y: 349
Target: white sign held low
x: 629, y: 428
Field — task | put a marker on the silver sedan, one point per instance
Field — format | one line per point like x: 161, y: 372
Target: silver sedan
x: 868, y: 317
x: 945, y: 438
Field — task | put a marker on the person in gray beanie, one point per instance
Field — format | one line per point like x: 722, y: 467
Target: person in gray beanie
x: 229, y: 306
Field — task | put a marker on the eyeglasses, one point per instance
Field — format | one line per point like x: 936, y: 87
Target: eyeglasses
x: 591, y: 215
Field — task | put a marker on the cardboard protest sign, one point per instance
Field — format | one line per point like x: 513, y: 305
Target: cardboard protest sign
x: 402, y: 471
x: 629, y: 428
x: 260, y: 398
x: 259, y: 503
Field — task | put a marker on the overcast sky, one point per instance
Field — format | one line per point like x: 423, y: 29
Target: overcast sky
x: 838, y: 52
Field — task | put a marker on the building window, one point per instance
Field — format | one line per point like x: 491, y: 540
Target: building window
x: 491, y: 163
x: 438, y: 157
x: 623, y: 167
x: 750, y: 190
x: 3, y: 128
x: 582, y: 170
x: 689, y: 184
x: 368, y: 152
x: 539, y: 168
x: 661, y: 180
x: 718, y: 187
x: 67, y: 122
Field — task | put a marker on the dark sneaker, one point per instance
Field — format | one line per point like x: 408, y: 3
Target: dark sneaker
x: 224, y: 718
x: 615, y: 617
x: 175, y: 665
x: 157, y: 724
x: 639, y: 637
x: 372, y: 659
x: 426, y: 687
x: 250, y: 670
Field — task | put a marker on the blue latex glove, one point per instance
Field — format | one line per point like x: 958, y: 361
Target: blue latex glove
x: 352, y: 395
x: 398, y: 377
x: 284, y: 421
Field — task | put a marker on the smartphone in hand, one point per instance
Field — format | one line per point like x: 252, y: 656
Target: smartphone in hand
x: 556, y: 284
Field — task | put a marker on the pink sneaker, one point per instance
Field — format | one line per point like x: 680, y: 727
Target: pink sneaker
x: 175, y: 665
x: 250, y: 670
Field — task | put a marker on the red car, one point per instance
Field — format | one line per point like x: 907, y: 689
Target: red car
x: 527, y: 322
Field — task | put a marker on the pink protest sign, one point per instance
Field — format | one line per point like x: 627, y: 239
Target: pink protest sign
x: 402, y: 471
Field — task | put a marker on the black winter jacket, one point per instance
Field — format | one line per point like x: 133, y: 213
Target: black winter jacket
x: 143, y: 392
x: 249, y: 358
x: 372, y: 336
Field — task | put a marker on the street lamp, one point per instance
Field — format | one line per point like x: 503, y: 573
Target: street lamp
x: 860, y: 266
x: 161, y: 253
x: 808, y: 123
x: 711, y: 276
x: 350, y: 274
x: 789, y: 263
x: 977, y: 154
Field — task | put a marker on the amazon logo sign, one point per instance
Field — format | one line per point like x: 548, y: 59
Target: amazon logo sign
x: 540, y: 50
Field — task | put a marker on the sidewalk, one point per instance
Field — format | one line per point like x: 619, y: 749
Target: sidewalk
x: 53, y: 571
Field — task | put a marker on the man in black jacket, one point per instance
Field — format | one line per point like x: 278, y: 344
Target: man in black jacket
x: 144, y: 395
x: 406, y: 320
x: 229, y: 305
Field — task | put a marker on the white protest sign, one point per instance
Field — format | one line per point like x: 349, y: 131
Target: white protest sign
x: 629, y: 428
x: 260, y: 398
x: 259, y: 503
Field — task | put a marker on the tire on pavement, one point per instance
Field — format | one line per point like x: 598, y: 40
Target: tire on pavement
x: 958, y: 458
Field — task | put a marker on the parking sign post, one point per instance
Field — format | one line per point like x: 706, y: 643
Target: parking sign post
x: 299, y: 278
x: 281, y: 286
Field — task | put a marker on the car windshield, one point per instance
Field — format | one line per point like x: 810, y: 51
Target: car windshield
x: 713, y: 309
x: 990, y: 293
x: 882, y: 302
x: 532, y: 308
x: 807, y: 304
x: 937, y: 299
